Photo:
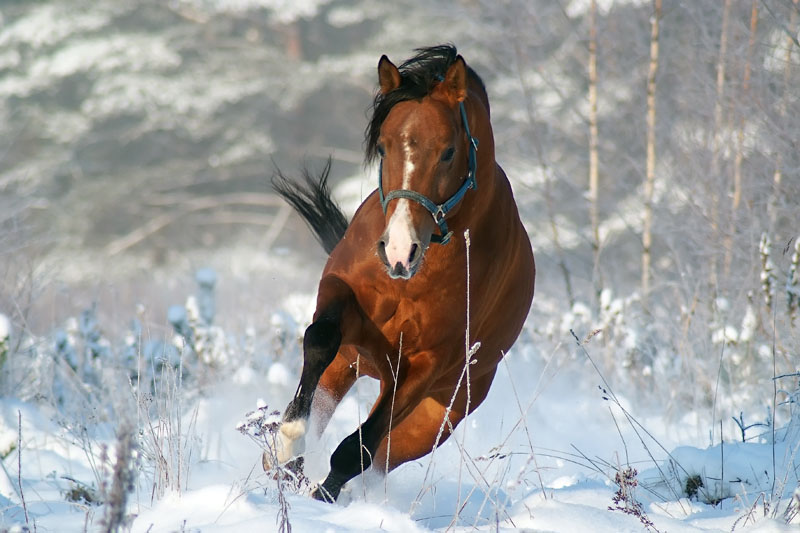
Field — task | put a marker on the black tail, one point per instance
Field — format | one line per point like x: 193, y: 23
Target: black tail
x: 312, y: 200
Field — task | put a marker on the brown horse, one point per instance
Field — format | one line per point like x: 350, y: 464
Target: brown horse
x: 392, y: 301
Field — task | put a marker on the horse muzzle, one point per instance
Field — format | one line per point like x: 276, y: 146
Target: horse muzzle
x: 401, y: 254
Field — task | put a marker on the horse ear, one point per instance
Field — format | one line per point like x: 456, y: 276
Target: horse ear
x: 388, y: 75
x: 454, y: 85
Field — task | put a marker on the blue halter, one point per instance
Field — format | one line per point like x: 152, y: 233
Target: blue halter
x: 439, y: 211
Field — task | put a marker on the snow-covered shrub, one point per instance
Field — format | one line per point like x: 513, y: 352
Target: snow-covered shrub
x: 793, y: 282
x: 262, y: 426
x: 625, y: 497
x: 193, y: 324
x: 767, y: 270
x: 206, y: 279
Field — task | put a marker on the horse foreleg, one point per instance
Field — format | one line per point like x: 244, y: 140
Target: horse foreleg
x: 337, y: 379
x: 356, y: 452
x: 320, y: 345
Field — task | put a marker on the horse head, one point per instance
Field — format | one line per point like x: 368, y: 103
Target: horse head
x: 427, y: 163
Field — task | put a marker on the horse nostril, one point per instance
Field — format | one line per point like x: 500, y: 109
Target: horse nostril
x: 382, y: 252
x: 413, y: 255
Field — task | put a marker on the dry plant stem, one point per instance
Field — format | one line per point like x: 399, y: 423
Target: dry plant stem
x: 282, y: 519
x: 522, y: 414
x: 19, y: 467
x: 230, y: 501
x: 635, y: 424
x: 749, y: 514
x: 774, y: 395
x: 621, y: 438
x: 360, y: 434
x: 721, y: 458
x: 478, y: 476
x: 537, y: 389
x: 520, y: 421
x: 716, y: 390
x: 487, y: 485
x: 179, y: 420
x: 395, y: 372
x: 650, y: 170
x: 467, y: 364
x: 446, y: 419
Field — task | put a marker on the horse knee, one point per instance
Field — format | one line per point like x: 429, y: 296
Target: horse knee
x: 320, y: 344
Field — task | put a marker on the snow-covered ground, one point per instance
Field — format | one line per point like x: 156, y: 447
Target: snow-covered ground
x: 541, y: 454
x: 124, y: 416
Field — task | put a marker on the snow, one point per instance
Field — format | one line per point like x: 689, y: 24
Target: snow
x: 541, y: 453
x: 484, y: 477
x: 5, y: 328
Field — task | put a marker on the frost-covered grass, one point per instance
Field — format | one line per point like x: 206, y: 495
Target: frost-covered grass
x: 140, y: 433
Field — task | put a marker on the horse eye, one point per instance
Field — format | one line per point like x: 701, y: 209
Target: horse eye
x: 381, y: 151
x: 448, y: 154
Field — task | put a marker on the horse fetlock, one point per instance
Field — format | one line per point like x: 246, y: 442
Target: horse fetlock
x: 352, y: 457
x: 289, y: 443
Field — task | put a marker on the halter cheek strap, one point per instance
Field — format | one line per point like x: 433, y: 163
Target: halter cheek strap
x: 438, y: 211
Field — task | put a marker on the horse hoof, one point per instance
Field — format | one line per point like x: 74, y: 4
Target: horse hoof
x: 293, y: 468
x: 323, y: 495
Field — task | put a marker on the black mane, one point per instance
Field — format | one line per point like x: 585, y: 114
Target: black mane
x: 418, y: 75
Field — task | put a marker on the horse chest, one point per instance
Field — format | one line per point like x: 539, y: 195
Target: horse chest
x: 419, y: 322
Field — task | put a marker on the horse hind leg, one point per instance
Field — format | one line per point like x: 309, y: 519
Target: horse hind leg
x: 320, y: 346
x: 413, y: 437
x: 426, y: 428
x: 356, y: 452
x: 417, y: 435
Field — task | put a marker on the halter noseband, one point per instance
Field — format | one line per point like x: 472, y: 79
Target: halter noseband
x: 439, y: 211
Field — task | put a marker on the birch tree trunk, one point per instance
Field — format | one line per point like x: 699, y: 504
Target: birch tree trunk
x: 737, y: 162
x: 772, y: 207
x: 650, y: 176
x: 715, y: 136
x: 593, y: 159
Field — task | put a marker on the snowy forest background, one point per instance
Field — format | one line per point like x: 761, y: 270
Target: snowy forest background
x: 137, y: 140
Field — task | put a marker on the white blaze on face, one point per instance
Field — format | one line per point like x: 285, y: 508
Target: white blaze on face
x: 400, y: 234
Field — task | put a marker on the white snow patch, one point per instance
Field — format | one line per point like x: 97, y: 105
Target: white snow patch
x: 278, y: 375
